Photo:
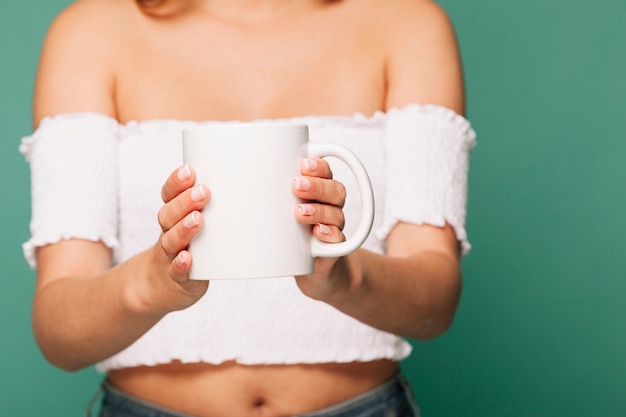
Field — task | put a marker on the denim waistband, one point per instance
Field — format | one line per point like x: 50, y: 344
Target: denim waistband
x: 390, y: 399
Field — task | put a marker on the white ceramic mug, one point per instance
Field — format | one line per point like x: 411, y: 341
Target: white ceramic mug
x: 250, y: 229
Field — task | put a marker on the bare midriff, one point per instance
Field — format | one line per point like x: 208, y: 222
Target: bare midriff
x: 231, y: 389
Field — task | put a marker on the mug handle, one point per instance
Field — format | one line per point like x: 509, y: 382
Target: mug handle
x: 333, y: 250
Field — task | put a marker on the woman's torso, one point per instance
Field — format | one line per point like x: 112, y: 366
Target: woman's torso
x: 325, y: 57
x: 251, y: 321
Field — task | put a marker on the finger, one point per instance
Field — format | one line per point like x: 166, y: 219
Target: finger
x: 178, y: 237
x: 328, y: 233
x: 181, y: 264
x: 315, y: 167
x: 312, y: 213
x: 179, y: 273
x: 178, y: 181
x: 319, y: 189
x: 191, y: 199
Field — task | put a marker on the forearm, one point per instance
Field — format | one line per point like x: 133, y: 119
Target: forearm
x: 78, y: 321
x: 84, y: 311
x: 414, y: 296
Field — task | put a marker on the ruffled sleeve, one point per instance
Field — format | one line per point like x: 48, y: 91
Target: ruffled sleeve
x: 73, y: 162
x: 428, y: 150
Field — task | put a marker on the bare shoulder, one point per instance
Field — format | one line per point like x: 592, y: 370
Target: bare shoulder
x: 86, y: 24
x: 96, y: 16
x: 76, y: 66
x: 411, y: 21
x: 423, y: 58
x: 406, y: 13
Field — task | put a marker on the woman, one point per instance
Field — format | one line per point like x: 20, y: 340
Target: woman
x: 117, y: 83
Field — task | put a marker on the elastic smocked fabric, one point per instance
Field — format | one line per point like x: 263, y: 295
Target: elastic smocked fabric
x: 96, y: 179
x: 428, y: 152
x: 73, y: 162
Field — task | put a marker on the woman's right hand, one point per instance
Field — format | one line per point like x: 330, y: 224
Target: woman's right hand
x: 76, y: 285
x: 180, y: 219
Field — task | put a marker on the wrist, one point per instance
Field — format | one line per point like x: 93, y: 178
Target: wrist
x: 349, y: 274
x: 140, y: 287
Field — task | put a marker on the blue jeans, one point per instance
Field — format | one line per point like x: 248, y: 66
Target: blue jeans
x: 391, y: 399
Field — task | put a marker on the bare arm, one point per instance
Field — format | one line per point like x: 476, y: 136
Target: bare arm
x: 414, y: 290
x: 83, y: 310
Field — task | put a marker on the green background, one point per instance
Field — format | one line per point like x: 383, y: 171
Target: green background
x: 540, y: 328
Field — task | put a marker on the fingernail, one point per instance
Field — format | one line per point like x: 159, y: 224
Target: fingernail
x: 310, y: 164
x: 305, y: 209
x: 180, y: 259
x: 191, y: 220
x: 325, y: 230
x: 302, y: 184
x: 197, y: 193
x: 184, y: 172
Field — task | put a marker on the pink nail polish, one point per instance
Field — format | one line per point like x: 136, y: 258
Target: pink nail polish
x: 184, y: 172
x: 191, y: 220
x: 325, y: 230
x: 197, y: 193
x: 305, y: 209
x: 310, y: 164
x: 302, y: 184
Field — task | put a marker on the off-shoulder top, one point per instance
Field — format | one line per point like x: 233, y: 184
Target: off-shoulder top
x: 96, y: 179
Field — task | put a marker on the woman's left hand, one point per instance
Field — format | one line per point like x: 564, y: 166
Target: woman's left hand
x: 420, y: 272
x: 323, y: 200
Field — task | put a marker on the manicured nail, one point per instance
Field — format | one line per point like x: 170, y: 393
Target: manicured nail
x: 310, y: 164
x: 197, y: 193
x: 305, y: 209
x: 180, y: 259
x: 184, y: 172
x: 302, y: 184
x: 325, y: 230
x: 191, y: 220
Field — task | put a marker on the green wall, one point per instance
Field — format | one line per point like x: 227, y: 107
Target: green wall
x: 29, y: 387
x: 539, y: 331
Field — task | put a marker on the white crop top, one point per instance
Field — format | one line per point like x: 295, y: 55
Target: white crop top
x: 94, y: 178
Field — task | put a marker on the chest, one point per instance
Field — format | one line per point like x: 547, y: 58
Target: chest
x: 222, y: 71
